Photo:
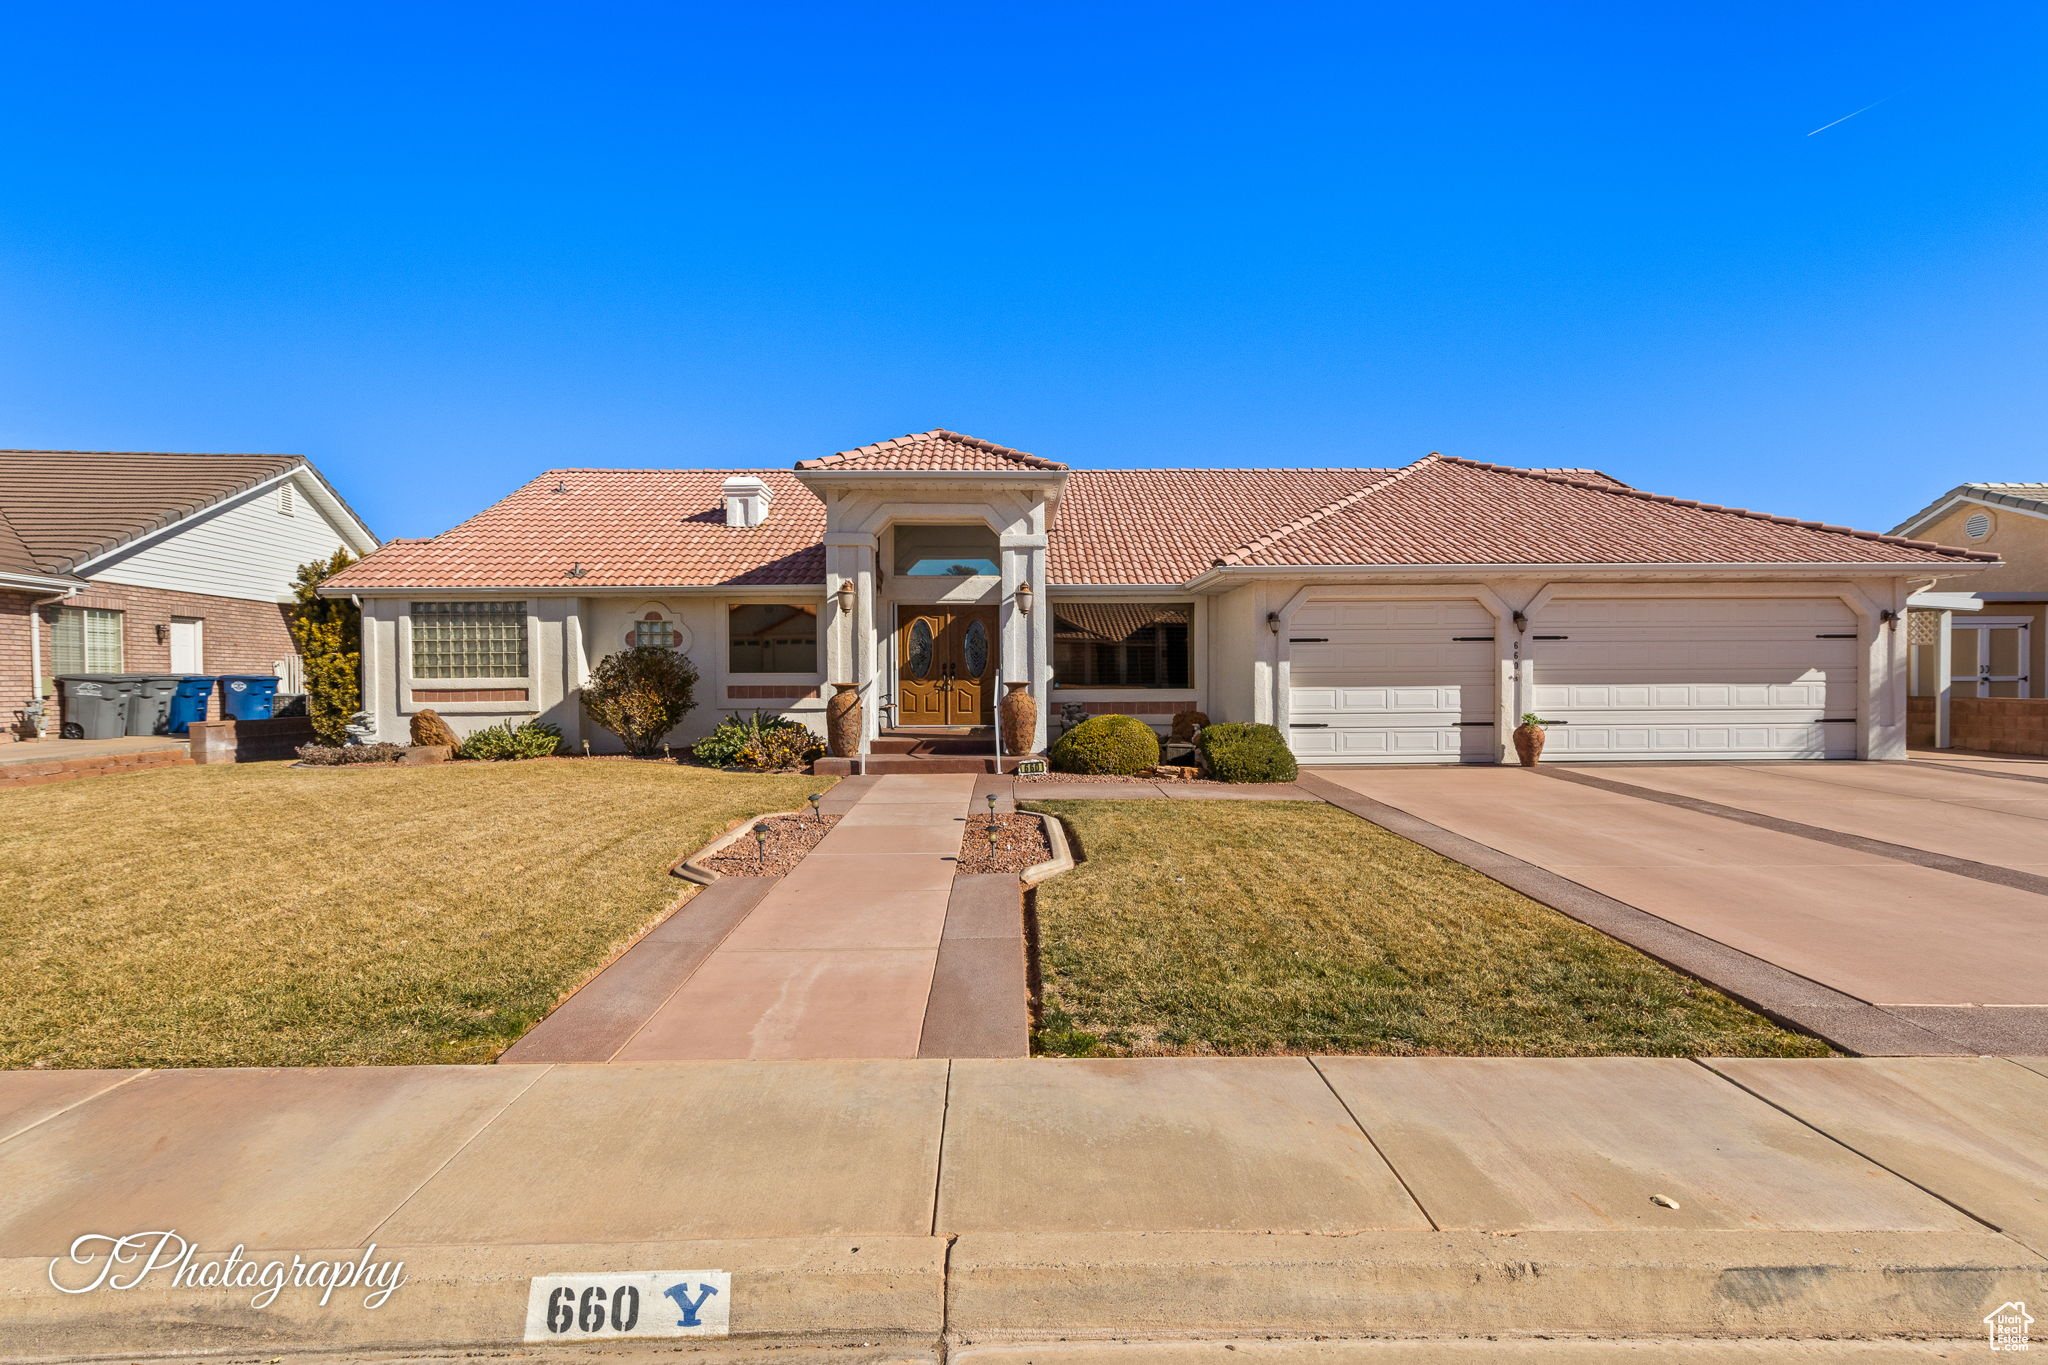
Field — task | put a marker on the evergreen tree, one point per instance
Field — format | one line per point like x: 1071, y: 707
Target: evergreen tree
x: 329, y: 634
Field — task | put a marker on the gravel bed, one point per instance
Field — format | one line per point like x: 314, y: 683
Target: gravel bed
x: 1020, y: 843
x: 790, y: 837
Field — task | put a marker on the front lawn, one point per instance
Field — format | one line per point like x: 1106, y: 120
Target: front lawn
x: 1287, y: 927
x: 261, y: 915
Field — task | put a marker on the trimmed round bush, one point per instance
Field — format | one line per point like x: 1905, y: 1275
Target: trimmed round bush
x: 1122, y: 745
x: 1236, y: 752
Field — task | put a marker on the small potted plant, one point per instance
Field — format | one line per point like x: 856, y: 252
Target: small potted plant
x: 1529, y: 739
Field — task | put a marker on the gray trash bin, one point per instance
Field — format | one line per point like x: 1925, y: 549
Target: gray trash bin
x: 95, y: 705
x: 149, y: 706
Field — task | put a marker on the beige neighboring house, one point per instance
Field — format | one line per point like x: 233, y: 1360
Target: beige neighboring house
x: 1405, y: 615
x: 1984, y: 637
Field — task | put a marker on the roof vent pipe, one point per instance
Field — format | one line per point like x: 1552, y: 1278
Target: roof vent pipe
x: 746, y: 500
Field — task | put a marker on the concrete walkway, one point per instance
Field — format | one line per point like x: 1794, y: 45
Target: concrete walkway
x: 836, y: 959
x: 980, y: 1201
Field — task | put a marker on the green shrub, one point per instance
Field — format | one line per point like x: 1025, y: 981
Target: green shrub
x: 1235, y: 752
x: 1122, y: 745
x: 759, y: 743
x: 640, y: 694
x: 528, y: 739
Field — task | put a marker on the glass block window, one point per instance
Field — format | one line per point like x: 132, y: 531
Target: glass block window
x: 86, y: 640
x: 775, y: 638
x: 653, y: 630
x: 469, y: 639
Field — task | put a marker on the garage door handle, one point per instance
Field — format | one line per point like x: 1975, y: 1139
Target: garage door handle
x: 1488, y: 639
x: 1838, y: 720
x: 1306, y: 725
x: 1850, y: 636
x: 1471, y: 722
x: 1308, y: 639
x: 1550, y: 637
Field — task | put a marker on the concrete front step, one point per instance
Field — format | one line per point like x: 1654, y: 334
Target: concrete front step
x: 878, y: 763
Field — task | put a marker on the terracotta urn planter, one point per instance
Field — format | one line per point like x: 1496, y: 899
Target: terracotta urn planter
x: 1019, y: 713
x: 843, y: 721
x: 1529, y: 741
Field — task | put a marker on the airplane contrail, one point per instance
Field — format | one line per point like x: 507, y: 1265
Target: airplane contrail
x: 1846, y: 117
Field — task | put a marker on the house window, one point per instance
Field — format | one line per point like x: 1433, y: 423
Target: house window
x: 1122, y: 644
x: 945, y: 551
x: 655, y: 630
x: 86, y: 640
x: 469, y: 639
x: 772, y: 638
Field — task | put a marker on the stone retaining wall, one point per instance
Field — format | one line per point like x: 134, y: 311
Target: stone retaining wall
x: 1999, y: 725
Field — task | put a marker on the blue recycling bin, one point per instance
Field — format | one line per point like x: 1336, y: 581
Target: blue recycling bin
x: 247, y: 696
x: 188, y: 704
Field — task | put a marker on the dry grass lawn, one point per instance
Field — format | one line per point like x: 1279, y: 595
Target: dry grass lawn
x: 1287, y: 927
x: 261, y: 915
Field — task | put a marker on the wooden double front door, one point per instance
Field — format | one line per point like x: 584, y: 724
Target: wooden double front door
x: 945, y: 665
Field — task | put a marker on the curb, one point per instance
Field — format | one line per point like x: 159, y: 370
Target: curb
x: 1062, y: 859
x: 692, y: 869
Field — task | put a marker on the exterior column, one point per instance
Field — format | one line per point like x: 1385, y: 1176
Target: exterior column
x: 1026, y: 640
x: 575, y: 673
x: 1944, y: 675
x: 850, y: 636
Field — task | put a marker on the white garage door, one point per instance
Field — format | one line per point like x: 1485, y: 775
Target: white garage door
x: 1392, y: 682
x: 1651, y: 678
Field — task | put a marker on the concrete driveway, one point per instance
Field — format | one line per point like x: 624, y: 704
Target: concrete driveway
x: 1918, y: 887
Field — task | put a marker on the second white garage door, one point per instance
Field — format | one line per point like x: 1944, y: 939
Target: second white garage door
x: 1659, y: 678
x: 1392, y: 682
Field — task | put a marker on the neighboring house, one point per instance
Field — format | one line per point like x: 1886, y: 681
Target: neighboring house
x: 1376, y: 615
x: 1985, y: 636
x: 125, y: 562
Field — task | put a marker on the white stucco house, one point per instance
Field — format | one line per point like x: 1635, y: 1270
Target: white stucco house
x: 1375, y: 615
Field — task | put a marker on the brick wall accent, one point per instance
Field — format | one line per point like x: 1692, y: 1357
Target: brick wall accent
x: 1133, y: 708
x: 1999, y: 725
x: 36, y: 774
x: 435, y: 696
x: 16, y: 690
x: 240, y: 636
x: 1920, y: 721
x: 771, y: 692
x: 249, y: 741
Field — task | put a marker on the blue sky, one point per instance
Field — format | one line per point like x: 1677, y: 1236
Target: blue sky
x: 440, y: 248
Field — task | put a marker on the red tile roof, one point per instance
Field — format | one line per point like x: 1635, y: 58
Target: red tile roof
x: 612, y: 528
x: 66, y: 506
x: 1167, y: 525
x: 591, y: 528
x: 935, y: 449
x: 1443, y: 510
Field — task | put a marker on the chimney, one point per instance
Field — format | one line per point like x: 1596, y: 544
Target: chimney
x: 746, y: 500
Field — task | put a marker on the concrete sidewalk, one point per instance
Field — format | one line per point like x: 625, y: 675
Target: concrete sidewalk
x: 871, y: 947
x: 911, y: 1203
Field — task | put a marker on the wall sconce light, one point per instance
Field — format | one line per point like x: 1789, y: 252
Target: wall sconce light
x: 163, y: 632
x: 845, y: 595
x: 1888, y: 616
x: 1025, y: 597
x: 1273, y: 622
x: 1521, y: 621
